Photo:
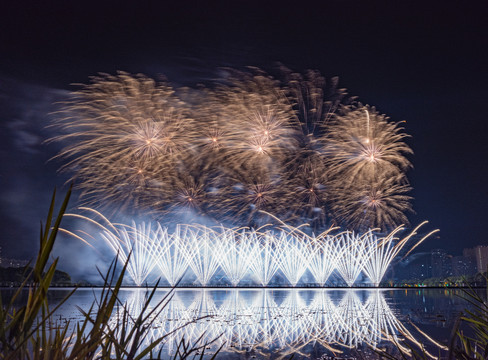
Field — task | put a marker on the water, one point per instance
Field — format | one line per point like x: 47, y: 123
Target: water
x: 314, y: 323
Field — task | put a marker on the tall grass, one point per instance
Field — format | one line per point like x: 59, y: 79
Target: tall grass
x: 29, y: 331
x: 474, y: 345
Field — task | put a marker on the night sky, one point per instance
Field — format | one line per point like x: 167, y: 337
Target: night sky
x: 422, y: 62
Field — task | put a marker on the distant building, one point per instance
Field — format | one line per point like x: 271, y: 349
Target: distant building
x: 441, y: 263
x: 13, y: 263
x: 469, y: 253
x: 416, y: 266
x: 478, y: 257
x: 481, y: 253
x: 462, y: 265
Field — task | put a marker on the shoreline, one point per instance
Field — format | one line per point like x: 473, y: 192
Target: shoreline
x: 191, y: 287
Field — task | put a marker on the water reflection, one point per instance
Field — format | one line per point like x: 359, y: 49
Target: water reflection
x: 263, y: 321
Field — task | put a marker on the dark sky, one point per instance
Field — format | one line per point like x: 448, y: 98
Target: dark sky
x: 423, y: 62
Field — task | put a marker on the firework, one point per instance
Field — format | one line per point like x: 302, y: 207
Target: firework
x: 384, y: 250
x: 366, y: 157
x: 248, y: 195
x: 308, y: 182
x: 315, y: 100
x: 294, y: 254
x: 298, y: 148
x: 240, y: 252
x: 380, y: 203
x: 352, y: 252
x: 362, y: 144
x: 172, y: 255
x: 257, y: 118
x: 134, y: 245
x: 237, y: 253
x: 123, y: 132
x: 202, y: 254
x: 322, y: 260
x: 266, y: 262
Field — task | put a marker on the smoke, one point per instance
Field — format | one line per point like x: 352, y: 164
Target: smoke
x: 27, y: 179
x: 84, y: 263
x: 412, y: 258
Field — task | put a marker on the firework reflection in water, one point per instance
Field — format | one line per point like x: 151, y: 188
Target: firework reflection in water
x: 258, y: 321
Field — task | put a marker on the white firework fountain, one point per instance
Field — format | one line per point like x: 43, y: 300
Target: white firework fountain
x: 239, y: 253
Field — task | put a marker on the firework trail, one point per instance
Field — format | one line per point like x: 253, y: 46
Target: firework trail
x: 294, y: 254
x: 322, y: 260
x: 172, y: 255
x: 352, y: 252
x: 266, y: 262
x: 136, y: 245
x: 237, y: 254
x: 203, y: 256
x: 384, y: 250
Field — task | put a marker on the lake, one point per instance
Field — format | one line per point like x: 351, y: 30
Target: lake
x: 272, y: 323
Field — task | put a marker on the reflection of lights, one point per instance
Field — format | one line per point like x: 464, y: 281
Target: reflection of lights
x: 253, y: 320
x: 258, y: 253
